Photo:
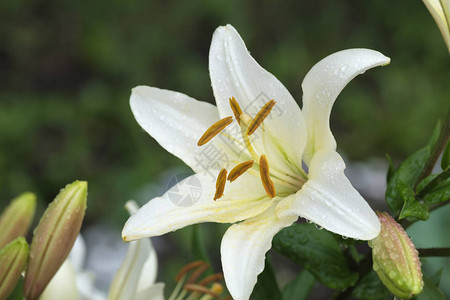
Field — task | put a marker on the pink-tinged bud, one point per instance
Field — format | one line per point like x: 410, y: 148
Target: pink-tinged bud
x: 17, y: 217
x: 13, y: 259
x: 54, y: 237
x: 395, y: 259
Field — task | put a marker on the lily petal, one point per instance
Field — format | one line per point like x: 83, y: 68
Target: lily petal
x: 322, y: 85
x: 154, y: 292
x: 177, y: 121
x: 62, y: 285
x: 150, y: 268
x: 125, y: 281
x: 244, y: 198
x: 329, y: 200
x: 244, y: 247
x: 77, y: 255
x: 234, y: 73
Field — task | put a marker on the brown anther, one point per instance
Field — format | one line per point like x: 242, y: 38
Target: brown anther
x: 189, y: 267
x: 197, y: 273
x: 265, y: 176
x: 200, y: 289
x: 214, y: 130
x: 239, y: 170
x: 260, y: 116
x: 211, y: 278
x: 237, y: 111
x: 220, y: 184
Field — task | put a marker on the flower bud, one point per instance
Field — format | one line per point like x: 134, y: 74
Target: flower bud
x: 13, y: 258
x: 16, y: 219
x: 395, y: 259
x: 54, y: 237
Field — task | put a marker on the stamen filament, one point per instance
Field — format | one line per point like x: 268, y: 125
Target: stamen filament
x: 197, y: 273
x: 277, y: 181
x: 177, y: 289
x: 248, y: 144
x: 187, y: 268
x: 220, y: 184
x: 239, y: 170
x: 237, y: 111
x: 260, y: 116
x: 211, y: 278
x: 192, y: 287
x: 265, y: 176
x: 214, y: 129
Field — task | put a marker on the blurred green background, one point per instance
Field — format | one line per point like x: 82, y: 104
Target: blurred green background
x: 67, y: 67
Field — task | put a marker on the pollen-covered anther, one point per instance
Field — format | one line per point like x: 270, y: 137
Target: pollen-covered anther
x: 220, y: 184
x: 265, y: 176
x: 260, y: 116
x: 214, y: 130
x: 200, y: 289
x: 237, y: 111
x: 239, y: 170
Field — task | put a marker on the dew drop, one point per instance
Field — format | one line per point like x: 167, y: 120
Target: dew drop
x: 388, y: 244
x: 345, y: 237
x: 393, y: 256
x: 318, y: 226
x: 392, y: 274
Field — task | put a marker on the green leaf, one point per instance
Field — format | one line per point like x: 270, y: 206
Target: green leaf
x: 300, y: 287
x: 318, y: 251
x: 198, y: 247
x: 411, y: 207
x: 408, y: 172
x: 371, y: 288
x: 266, y: 287
x: 430, y: 289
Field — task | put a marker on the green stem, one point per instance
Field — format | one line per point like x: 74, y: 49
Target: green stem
x: 440, y: 205
x: 437, y: 149
x: 434, y: 252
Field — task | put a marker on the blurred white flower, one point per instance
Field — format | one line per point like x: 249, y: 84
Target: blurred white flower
x: 269, y: 187
x: 135, y: 279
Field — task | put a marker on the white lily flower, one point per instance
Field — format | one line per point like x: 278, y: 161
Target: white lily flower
x: 273, y: 187
x: 135, y: 279
x: 440, y: 10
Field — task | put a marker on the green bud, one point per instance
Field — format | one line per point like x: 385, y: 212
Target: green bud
x: 13, y: 258
x: 395, y: 259
x: 54, y: 237
x: 16, y: 219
